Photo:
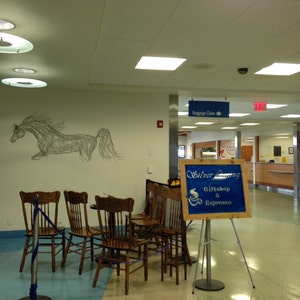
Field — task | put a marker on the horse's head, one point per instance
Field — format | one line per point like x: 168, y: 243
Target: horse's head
x: 17, y: 134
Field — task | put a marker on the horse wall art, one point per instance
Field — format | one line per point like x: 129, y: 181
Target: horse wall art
x: 52, y: 141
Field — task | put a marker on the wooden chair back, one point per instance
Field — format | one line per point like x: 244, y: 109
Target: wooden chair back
x: 76, y: 204
x: 114, y: 216
x: 48, y: 203
x: 173, y: 214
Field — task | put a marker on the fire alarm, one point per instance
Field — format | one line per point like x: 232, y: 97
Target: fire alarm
x: 160, y: 123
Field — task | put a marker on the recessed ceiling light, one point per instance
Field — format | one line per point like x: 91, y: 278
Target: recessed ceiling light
x: 204, y: 123
x: 283, y: 69
x: 292, y: 116
x: 159, y: 63
x: 281, y: 137
x: 229, y: 127
x: 183, y: 113
x: 238, y: 114
x: 13, y: 44
x: 6, y: 25
x: 188, y: 127
x: 249, y: 124
x: 25, y: 70
x: 272, y: 106
x: 24, y: 82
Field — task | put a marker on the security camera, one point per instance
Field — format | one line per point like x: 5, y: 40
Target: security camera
x: 243, y: 71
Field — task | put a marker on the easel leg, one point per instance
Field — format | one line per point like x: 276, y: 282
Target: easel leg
x: 198, y: 256
x: 238, y: 240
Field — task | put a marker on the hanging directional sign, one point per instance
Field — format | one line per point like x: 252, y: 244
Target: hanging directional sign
x: 208, y: 109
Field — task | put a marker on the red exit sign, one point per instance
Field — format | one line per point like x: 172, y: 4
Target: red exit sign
x: 260, y: 106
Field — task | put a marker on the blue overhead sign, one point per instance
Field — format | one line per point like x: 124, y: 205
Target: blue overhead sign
x: 208, y: 109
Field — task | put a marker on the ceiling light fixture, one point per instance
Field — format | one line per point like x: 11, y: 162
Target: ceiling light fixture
x: 188, y: 127
x: 6, y: 25
x: 238, y: 114
x: 204, y: 123
x: 159, y: 63
x: 24, y: 82
x: 25, y: 70
x: 10, y: 43
x: 229, y: 127
x: 291, y: 116
x: 273, y: 106
x: 250, y: 124
x: 280, y: 69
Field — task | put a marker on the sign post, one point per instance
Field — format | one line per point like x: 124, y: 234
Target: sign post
x: 214, y: 189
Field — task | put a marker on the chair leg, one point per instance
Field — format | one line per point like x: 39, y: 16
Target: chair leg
x: 25, y: 252
x: 63, y: 242
x: 145, y: 262
x: 99, y: 265
x: 83, y: 249
x: 92, y: 247
x: 66, y: 252
x: 127, y: 274
x: 53, y: 253
x: 177, y: 259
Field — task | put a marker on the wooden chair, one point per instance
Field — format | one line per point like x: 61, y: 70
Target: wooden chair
x: 173, y: 233
x: 149, y: 197
x: 148, y: 226
x: 76, y: 204
x: 120, y: 250
x: 48, y: 235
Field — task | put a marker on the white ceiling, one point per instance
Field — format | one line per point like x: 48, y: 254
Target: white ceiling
x: 95, y: 44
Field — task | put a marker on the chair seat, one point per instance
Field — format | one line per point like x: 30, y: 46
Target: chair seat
x: 145, y: 222
x: 84, y: 232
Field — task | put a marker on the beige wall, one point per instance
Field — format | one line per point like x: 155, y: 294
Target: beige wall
x: 131, y: 120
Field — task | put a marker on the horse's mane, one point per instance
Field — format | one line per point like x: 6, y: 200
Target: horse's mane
x: 43, y: 120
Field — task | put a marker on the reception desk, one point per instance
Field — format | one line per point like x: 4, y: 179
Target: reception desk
x: 271, y: 174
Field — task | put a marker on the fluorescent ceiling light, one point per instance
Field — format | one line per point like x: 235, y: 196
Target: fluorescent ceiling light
x: 249, y: 124
x: 13, y: 44
x: 291, y: 116
x: 229, y: 127
x: 282, y: 69
x: 281, y: 137
x: 204, y: 123
x: 24, y: 82
x: 189, y: 127
x: 182, y: 113
x: 159, y: 63
x: 238, y: 114
x: 272, y: 106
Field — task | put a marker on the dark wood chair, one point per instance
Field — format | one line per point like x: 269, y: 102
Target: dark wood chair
x: 173, y: 234
x: 85, y: 235
x: 148, y: 226
x: 49, y: 236
x: 149, y: 197
x: 120, y: 250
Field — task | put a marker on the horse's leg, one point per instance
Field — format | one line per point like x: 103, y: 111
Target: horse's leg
x: 87, y: 148
x: 38, y: 155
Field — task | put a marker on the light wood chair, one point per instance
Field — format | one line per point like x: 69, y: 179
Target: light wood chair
x: 85, y: 235
x: 120, y: 250
x: 49, y: 236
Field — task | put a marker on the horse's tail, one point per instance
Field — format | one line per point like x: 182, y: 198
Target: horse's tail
x: 106, y: 145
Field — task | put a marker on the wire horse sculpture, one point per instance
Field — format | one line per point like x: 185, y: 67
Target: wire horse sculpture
x: 52, y: 141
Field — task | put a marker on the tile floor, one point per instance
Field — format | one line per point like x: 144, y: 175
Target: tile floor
x: 270, y: 240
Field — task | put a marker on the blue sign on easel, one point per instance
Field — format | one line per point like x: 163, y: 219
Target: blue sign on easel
x: 214, y: 189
